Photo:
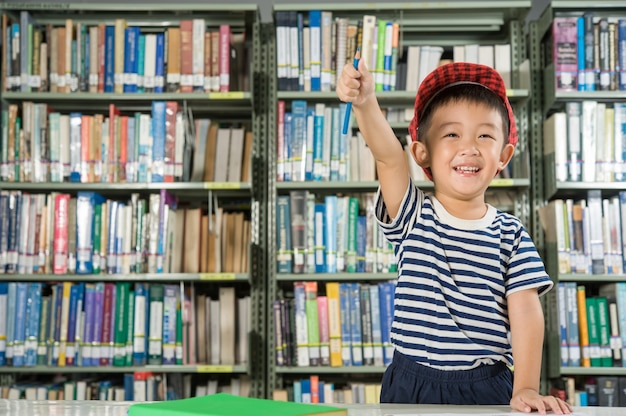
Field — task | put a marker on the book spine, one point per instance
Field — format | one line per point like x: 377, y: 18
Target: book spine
x: 155, y: 337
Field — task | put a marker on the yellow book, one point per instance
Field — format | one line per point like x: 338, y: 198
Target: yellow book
x: 583, y: 330
x: 334, y: 323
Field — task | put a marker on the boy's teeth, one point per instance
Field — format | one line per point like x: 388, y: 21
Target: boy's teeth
x: 467, y: 169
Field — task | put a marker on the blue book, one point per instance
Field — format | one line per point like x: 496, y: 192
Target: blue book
x: 356, y: 332
x: 11, y: 305
x: 70, y: 349
x: 284, y: 261
x: 297, y: 391
x: 385, y: 294
x: 344, y: 317
x: 129, y: 384
x: 111, y: 249
x: 318, y: 142
x: 19, y: 335
x: 621, y: 53
x: 83, y: 76
x: 158, y: 140
x: 15, y: 205
x: 90, y: 316
x: 159, y: 79
x: 55, y: 324
x: 361, y: 243
x: 620, y: 131
x: 306, y: 390
x: 131, y: 42
x: 141, y: 57
x: 167, y: 207
x: 80, y: 322
x: 315, y: 23
x: 580, y: 48
x: 4, y: 303
x: 377, y: 342
x: 96, y: 344
x: 75, y: 147
x: 85, y: 208
x: 320, y: 238
x: 308, y: 162
x: 33, y: 311
x: 298, y: 140
x: 562, y: 319
x: 288, y: 146
x: 330, y: 234
x: 131, y: 174
x: 109, y: 59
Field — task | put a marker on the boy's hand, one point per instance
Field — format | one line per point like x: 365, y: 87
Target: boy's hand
x: 528, y: 400
x: 355, y: 86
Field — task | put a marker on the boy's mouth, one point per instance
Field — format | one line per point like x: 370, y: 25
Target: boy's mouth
x: 466, y: 169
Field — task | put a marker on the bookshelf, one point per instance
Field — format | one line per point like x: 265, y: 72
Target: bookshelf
x: 563, y: 368
x: 446, y: 25
x: 233, y: 103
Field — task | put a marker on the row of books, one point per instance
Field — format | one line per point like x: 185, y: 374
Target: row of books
x: 349, y: 325
x: 310, y: 145
x: 337, y: 235
x: 588, y: 233
x: 314, y: 390
x: 119, y: 58
x: 60, y: 234
x: 119, y: 324
x: 592, y: 329
x: 165, y: 145
x: 605, y: 391
x: 588, y: 141
x: 588, y: 52
x: 311, y: 51
x: 139, y: 386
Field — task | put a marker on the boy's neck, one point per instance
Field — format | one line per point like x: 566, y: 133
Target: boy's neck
x: 472, y: 209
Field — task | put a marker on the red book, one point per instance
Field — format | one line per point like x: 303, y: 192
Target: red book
x: 224, y: 58
x: 186, y: 56
x: 564, y: 38
x: 106, y: 350
x: 61, y: 221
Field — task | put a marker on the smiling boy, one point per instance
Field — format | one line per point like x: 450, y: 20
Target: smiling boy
x: 466, y: 305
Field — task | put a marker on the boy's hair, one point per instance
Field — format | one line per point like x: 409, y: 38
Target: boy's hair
x: 468, y: 92
x: 460, y: 73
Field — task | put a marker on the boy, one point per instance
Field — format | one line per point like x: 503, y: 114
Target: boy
x: 469, y: 277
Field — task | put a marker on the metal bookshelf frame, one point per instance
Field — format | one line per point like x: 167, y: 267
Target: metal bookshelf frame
x: 250, y: 106
x: 544, y: 100
x: 457, y: 22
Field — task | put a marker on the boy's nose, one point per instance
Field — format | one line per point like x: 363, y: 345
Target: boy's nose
x: 468, y: 147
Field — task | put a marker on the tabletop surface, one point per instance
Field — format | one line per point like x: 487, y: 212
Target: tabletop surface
x: 103, y: 408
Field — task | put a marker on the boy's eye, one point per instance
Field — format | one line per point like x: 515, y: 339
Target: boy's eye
x: 486, y: 136
x: 450, y: 135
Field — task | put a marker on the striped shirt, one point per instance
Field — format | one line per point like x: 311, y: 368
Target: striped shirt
x: 454, y: 277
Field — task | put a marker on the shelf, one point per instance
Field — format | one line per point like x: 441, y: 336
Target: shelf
x: 555, y: 100
x: 218, y: 102
x: 592, y: 278
x: 575, y: 8
x: 187, y: 369
x: 386, y: 98
x: 133, y: 277
x: 185, y: 189
x: 331, y: 370
x: 333, y: 277
x: 593, y: 371
x: 372, y: 186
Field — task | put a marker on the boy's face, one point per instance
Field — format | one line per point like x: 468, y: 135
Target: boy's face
x: 464, y: 149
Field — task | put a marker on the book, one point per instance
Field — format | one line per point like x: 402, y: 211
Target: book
x: 223, y: 404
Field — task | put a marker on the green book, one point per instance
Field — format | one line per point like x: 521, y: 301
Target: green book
x: 222, y: 404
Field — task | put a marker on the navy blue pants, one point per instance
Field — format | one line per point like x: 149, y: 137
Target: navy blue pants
x: 406, y: 381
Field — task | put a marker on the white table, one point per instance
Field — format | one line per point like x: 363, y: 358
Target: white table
x: 102, y: 408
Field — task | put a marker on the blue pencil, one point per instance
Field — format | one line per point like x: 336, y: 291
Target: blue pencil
x: 346, y: 119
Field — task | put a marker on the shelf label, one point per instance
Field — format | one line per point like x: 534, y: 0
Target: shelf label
x: 215, y: 369
x: 222, y: 185
x: 501, y: 182
x: 217, y: 276
x: 230, y: 95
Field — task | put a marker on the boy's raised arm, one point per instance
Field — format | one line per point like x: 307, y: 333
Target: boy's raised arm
x: 391, y: 161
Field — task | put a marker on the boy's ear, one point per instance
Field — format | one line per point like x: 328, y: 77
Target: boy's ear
x: 505, y: 156
x: 420, y: 153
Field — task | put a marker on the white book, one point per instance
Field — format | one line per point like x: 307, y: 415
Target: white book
x: 555, y: 142
x: 215, y: 332
x: 604, y: 148
x: 485, y: 55
x: 471, y: 53
x: 235, y: 154
x: 458, y: 53
x: 326, y: 146
x: 222, y: 149
x: 502, y: 63
x: 149, y: 72
x: 243, y: 329
x: 306, y: 57
x: 197, y: 62
x: 93, y: 58
x: 589, y: 132
x: 368, y: 40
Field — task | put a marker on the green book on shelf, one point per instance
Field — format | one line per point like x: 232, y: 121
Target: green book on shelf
x: 222, y: 404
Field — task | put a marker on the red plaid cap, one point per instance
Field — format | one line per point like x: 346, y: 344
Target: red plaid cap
x: 460, y: 73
